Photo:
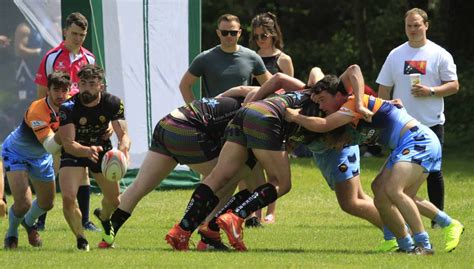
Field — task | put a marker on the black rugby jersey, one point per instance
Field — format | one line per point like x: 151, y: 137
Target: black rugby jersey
x: 296, y: 99
x: 212, y: 114
x: 91, y: 122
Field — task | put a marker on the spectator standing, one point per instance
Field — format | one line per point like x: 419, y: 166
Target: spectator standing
x: 423, y: 100
x: 226, y: 65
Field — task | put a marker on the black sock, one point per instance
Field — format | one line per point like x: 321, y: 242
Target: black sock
x: 233, y: 202
x: 262, y: 196
x: 42, y: 219
x: 201, y: 204
x: 435, y: 184
x: 83, y: 199
x: 118, y: 218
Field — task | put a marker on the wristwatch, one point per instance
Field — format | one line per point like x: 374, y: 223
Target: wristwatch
x: 432, y: 91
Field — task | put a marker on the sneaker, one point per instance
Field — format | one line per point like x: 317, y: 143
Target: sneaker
x: 33, y: 236
x: 10, y: 242
x: 210, y: 240
x: 232, y: 226
x: 178, y: 238
x: 107, y: 231
x: 82, y: 244
x: 253, y: 222
x: 103, y: 245
x: 452, y: 235
x: 387, y: 246
x: 90, y: 226
x: 418, y: 250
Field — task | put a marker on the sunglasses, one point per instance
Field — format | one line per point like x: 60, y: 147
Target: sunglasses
x: 227, y: 32
x: 261, y: 36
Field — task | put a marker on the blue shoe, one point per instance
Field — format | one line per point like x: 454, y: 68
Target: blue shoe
x: 90, y: 226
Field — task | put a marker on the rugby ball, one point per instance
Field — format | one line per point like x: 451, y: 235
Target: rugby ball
x: 114, y: 165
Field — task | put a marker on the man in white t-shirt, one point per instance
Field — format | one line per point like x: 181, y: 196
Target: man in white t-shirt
x: 437, y: 79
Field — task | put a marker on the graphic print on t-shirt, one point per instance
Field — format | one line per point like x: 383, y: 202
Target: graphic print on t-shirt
x: 414, y: 67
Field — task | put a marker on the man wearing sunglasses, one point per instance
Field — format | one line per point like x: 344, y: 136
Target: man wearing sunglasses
x: 224, y: 66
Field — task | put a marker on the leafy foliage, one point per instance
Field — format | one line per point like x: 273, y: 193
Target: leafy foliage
x: 323, y: 33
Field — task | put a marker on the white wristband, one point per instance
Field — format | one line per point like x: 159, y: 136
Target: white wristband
x: 50, y: 145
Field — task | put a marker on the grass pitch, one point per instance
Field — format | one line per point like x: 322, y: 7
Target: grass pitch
x: 310, y: 232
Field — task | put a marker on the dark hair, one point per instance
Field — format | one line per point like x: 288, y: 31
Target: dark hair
x: 228, y: 18
x: 59, y: 79
x: 89, y: 71
x: 268, y: 21
x: 330, y: 83
x: 418, y: 11
x: 77, y: 19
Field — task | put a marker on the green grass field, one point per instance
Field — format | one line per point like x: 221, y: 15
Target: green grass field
x: 310, y: 232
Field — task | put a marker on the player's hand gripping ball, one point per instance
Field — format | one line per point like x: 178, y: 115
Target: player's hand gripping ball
x: 114, y: 165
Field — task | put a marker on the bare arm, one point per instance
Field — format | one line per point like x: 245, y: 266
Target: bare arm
x: 384, y: 92
x: 353, y: 77
x: 185, y: 86
x: 315, y: 75
x: 263, y: 77
x: 317, y: 124
x: 446, y: 89
x: 67, y: 134
x: 238, y: 91
x: 22, y: 35
x: 286, y: 65
x: 276, y: 82
x: 121, y: 129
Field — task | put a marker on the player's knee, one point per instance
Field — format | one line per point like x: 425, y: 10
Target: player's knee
x: 47, y: 205
x: 376, y: 187
x: 21, y: 208
x: 348, y: 206
x: 69, y: 200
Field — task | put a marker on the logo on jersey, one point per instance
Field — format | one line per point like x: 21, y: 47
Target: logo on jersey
x: 83, y: 121
x: 37, y: 123
x: 342, y: 168
x: 60, y: 65
x: 102, y: 118
x: 414, y: 67
x: 211, y: 102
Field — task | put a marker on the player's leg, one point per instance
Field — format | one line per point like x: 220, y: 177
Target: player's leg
x: 3, y: 204
x: 153, y: 170
x: 406, y: 176
x: 69, y: 181
x: 354, y: 201
x: 209, y: 230
x: 277, y: 165
x: 110, y: 201
x: 204, y: 199
x: 391, y: 216
x: 21, y: 193
x: 83, y: 200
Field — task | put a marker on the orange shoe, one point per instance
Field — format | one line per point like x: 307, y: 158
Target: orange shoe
x: 178, y: 238
x: 210, y: 240
x: 232, y: 226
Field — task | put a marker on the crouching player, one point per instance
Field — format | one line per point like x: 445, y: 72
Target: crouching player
x: 415, y: 152
x: 27, y: 153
